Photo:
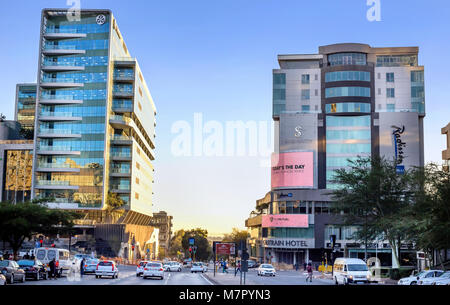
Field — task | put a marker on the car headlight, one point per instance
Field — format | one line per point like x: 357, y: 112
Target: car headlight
x: 350, y: 277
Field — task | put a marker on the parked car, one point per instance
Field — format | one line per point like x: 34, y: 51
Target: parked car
x: 62, y: 257
x: 12, y: 271
x: 432, y: 280
x: 445, y: 281
x: 90, y: 265
x: 153, y: 269
x: 34, y: 269
x: 252, y: 264
x: 140, y: 268
x: 350, y: 270
x: 106, y: 268
x: 266, y: 269
x: 2, y: 280
x: 414, y: 279
x: 172, y: 266
x: 197, y: 267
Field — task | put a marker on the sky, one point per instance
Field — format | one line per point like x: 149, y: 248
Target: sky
x: 215, y: 58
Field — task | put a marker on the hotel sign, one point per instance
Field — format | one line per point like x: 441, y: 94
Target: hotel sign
x: 288, y: 243
x: 399, y: 146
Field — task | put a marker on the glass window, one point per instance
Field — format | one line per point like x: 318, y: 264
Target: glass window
x: 390, y: 107
x: 347, y: 59
x: 390, y: 77
x: 347, y: 91
x: 347, y: 76
x: 305, y: 108
x: 396, y: 60
x: 305, y: 94
x: 390, y: 92
x: 347, y: 107
x: 305, y: 79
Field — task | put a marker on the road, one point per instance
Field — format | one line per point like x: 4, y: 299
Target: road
x: 127, y: 276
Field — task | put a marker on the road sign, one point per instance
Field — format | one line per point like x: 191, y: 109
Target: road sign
x: 225, y: 248
x: 191, y: 241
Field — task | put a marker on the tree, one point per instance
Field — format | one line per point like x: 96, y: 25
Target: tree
x: 236, y: 236
x: 428, y: 220
x: 176, y: 243
x: 23, y: 220
x: 204, y: 250
x: 113, y: 204
x: 372, y: 195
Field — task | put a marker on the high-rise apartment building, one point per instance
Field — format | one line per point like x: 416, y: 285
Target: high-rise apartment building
x: 348, y: 100
x: 25, y: 105
x: 95, y: 118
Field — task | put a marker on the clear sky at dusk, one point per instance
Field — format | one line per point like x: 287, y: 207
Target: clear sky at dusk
x: 216, y: 58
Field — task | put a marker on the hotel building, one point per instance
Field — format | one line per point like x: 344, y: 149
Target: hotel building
x: 347, y: 100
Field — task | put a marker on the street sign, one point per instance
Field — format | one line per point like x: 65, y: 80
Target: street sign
x: 191, y: 241
x: 225, y: 248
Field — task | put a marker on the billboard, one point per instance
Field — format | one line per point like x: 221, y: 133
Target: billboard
x: 225, y: 248
x: 293, y: 170
x: 285, y: 221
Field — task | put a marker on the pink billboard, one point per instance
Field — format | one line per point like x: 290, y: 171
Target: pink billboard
x: 285, y: 221
x: 294, y: 169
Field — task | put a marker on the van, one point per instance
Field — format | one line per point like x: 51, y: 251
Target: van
x: 350, y: 270
x: 61, y: 256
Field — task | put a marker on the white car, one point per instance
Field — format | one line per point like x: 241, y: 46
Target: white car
x: 350, y: 270
x: 172, y: 266
x: 197, y: 267
x: 153, y: 269
x: 442, y: 282
x: 140, y: 268
x: 266, y: 269
x: 433, y: 280
x: 414, y: 279
x: 107, y: 268
x: 205, y: 267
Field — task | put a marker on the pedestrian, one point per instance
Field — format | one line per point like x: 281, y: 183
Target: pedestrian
x: 304, y: 266
x: 82, y: 267
x: 52, y: 266
x: 296, y: 266
x: 238, y: 268
x: 310, y: 273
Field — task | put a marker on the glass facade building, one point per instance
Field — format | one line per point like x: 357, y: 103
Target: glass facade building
x: 95, y: 116
x: 26, y: 105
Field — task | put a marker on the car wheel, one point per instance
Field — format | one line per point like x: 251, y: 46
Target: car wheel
x: 11, y: 279
x: 413, y: 283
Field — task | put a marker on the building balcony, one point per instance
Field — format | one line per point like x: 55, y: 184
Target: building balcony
x: 123, y: 93
x: 57, y: 150
x: 254, y: 221
x: 58, y: 116
x: 120, y: 172
x: 121, y: 140
x: 60, y: 83
x: 50, y: 66
x: 57, y: 133
x: 61, y: 50
x: 58, y: 100
x: 123, y: 77
x: 120, y: 156
x: 120, y: 189
x: 55, y: 185
x: 55, y: 34
x: 119, y: 121
x: 56, y: 168
x: 122, y: 106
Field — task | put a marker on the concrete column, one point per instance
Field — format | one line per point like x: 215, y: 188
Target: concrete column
x: 295, y: 258
x: 307, y: 256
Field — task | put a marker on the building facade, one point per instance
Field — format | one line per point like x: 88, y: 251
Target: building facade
x: 163, y: 222
x: 94, y: 118
x: 26, y: 106
x: 348, y: 100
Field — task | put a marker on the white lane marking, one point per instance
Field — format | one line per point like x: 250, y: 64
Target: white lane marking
x: 167, y: 279
x: 206, y: 279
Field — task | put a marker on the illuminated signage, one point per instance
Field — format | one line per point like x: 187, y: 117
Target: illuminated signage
x: 399, y: 145
x: 285, y: 221
x: 293, y: 169
x: 288, y: 243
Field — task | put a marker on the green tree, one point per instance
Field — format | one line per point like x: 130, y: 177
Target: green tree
x: 23, y: 220
x: 176, y: 243
x: 113, y: 204
x: 204, y: 250
x: 236, y: 236
x: 373, y: 196
x: 428, y: 220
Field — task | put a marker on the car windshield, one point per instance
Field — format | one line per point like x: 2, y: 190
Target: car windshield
x: 40, y: 254
x: 25, y: 263
x: 421, y: 273
x: 197, y: 264
x: 4, y: 263
x: 154, y: 265
x: 357, y: 267
x: 267, y: 266
x: 92, y: 262
x: 445, y: 275
x: 105, y: 264
x: 51, y: 254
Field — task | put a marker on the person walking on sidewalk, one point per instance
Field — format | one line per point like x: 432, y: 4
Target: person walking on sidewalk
x: 238, y: 268
x: 309, y: 269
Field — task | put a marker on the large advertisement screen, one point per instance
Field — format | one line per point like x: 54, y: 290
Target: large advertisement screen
x: 285, y: 221
x: 293, y: 169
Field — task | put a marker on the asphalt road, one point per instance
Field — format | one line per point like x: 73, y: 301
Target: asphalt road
x: 127, y: 276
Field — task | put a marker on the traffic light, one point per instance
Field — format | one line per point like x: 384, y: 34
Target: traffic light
x: 190, y: 249
x: 132, y: 247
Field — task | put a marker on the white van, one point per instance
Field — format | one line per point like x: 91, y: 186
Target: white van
x: 350, y: 270
x: 61, y: 256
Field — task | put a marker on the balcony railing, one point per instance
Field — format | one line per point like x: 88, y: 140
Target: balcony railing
x: 58, y: 114
x: 56, y: 131
x: 120, y: 171
x: 121, y: 154
x: 61, y: 31
x: 120, y: 187
x: 61, y: 64
x: 60, y: 47
x: 58, y: 80
x: 55, y: 148
x: 57, y: 97
x: 54, y: 165
x: 53, y: 183
x: 126, y: 75
x: 120, y: 118
x: 120, y: 138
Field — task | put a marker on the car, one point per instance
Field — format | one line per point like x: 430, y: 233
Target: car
x: 140, y: 268
x: 80, y: 256
x: 153, y: 269
x: 432, y: 280
x: 414, y: 279
x: 252, y: 264
x: 12, y: 271
x: 172, y: 266
x: 90, y: 266
x: 64, y: 263
x: 205, y: 267
x: 34, y: 269
x: 106, y: 268
x: 266, y: 269
x: 350, y: 270
x: 197, y: 267
x: 445, y: 281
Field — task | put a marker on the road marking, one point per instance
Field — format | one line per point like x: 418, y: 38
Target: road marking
x: 210, y: 283
x: 168, y: 277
